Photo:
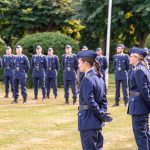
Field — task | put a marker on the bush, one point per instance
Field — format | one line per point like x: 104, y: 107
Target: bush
x: 56, y: 40
x: 2, y: 51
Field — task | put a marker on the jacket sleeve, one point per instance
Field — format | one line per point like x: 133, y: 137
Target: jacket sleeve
x: 142, y: 84
x: 127, y: 63
x: 76, y: 63
x: 27, y: 64
x: 103, y: 101
x: 89, y: 96
x: 57, y: 63
x: 45, y: 63
x: 105, y: 64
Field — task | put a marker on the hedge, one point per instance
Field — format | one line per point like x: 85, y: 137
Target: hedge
x: 56, y: 40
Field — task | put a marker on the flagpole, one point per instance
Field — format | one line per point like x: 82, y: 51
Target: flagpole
x: 108, y: 37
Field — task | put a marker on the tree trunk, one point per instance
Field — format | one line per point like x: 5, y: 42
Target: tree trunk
x: 142, y: 39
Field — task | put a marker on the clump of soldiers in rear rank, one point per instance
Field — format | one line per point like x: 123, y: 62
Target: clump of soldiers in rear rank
x: 45, y: 72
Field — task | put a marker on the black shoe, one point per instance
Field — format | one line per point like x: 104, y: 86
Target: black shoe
x: 66, y: 103
x: 74, y: 101
x: 55, y: 96
x: 125, y: 103
x: 24, y: 101
x: 6, y: 96
x: 15, y: 101
x: 116, y: 104
x: 48, y: 96
x: 35, y: 98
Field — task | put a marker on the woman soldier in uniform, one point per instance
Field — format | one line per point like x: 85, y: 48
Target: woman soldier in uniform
x: 92, y: 102
x: 139, y: 99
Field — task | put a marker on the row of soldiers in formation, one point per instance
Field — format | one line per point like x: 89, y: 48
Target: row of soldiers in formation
x: 45, y: 72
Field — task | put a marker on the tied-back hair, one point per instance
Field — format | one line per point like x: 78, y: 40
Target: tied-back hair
x: 145, y: 63
x: 143, y: 60
x: 93, y: 63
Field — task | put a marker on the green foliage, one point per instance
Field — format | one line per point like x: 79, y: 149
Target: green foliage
x: 130, y: 22
x: 148, y: 42
x: 2, y: 46
x: 18, y: 18
x: 56, y: 40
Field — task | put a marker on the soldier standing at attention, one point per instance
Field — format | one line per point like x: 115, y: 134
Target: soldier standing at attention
x: 70, y: 66
x: 8, y: 64
x: 52, y: 72
x: 21, y: 68
x: 139, y: 99
x: 39, y: 64
x: 92, y: 102
x: 121, y: 65
x: 102, y: 60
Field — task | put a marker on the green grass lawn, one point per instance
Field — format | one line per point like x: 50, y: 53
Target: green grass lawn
x: 50, y: 125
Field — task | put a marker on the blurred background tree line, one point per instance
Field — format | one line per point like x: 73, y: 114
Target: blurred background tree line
x: 84, y: 21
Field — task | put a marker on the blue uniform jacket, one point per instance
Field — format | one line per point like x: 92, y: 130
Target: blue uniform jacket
x: 92, y: 93
x: 148, y: 60
x: 39, y: 65
x: 8, y: 64
x: 103, y: 62
x: 70, y: 66
x: 52, y: 66
x: 139, y: 81
x: 21, y: 66
x: 121, y: 65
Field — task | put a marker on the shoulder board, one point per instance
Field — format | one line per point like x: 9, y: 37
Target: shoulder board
x: 87, y: 76
x: 73, y: 54
x: 139, y: 67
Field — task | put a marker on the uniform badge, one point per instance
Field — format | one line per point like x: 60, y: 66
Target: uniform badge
x: 69, y: 68
x: 119, y: 68
x: 17, y: 68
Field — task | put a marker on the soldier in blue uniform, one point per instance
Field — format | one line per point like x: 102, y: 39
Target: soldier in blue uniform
x: 139, y: 99
x: 70, y: 66
x: 121, y: 65
x: 21, y: 68
x: 8, y: 64
x: 52, y: 72
x: 39, y: 64
x: 102, y: 60
x: 92, y: 102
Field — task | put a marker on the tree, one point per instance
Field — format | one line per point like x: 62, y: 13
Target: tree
x: 18, y: 17
x: 130, y: 21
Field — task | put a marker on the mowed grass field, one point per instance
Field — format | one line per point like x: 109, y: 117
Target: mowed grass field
x: 50, y: 125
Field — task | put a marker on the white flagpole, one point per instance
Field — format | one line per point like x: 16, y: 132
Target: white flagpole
x: 108, y: 37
